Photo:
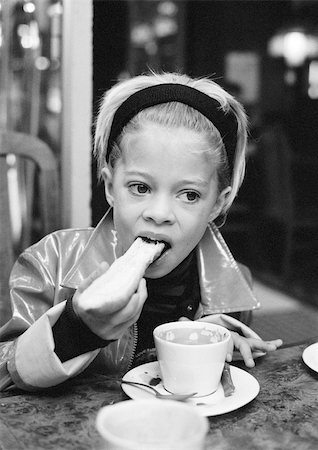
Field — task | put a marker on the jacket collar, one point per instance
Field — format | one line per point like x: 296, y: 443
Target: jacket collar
x: 223, y: 287
x: 100, y: 247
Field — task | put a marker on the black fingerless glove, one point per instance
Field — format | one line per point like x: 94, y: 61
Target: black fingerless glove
x: 72, y: 336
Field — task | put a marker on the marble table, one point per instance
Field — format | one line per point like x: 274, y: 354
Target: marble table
x: 284, y: 415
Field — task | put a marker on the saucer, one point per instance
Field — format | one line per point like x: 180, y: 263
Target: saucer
x: 246, y: 389
x: 310, y: 356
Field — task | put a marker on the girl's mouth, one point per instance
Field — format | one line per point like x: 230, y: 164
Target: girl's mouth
x: 167, y: 246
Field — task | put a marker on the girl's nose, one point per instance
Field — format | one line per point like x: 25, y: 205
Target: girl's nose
x: 159, y: 210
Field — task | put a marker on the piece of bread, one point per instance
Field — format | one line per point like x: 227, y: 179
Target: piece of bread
x: 145, y: 252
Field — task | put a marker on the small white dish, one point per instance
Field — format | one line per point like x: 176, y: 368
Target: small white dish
x: 246, y: 389
x: 310, y: 356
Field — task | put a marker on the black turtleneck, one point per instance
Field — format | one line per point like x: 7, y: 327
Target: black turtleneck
x: 169, y: 298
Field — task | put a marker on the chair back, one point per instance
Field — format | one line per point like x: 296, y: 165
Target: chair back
x: 275, y: 161
x: 34, y: 179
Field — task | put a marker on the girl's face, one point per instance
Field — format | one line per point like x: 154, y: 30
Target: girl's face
x: 164, y: 188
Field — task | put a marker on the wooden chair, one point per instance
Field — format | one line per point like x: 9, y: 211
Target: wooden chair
x: 286, y: 215
x: 37, y: 174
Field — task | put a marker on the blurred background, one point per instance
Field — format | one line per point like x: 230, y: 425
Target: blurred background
x: 58, y: 57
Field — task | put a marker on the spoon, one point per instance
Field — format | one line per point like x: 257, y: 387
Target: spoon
x: 178, y: 397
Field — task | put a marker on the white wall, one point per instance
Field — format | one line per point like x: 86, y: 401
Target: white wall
x: 77, y: 112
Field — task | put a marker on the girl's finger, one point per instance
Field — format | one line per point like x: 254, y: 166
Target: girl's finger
x: 276, y: 343
x: 131, y: 311
x: 230, y: 349
x: 244, y: 348
x: 142, y: 292
x: 122, y: 321
x: 258, y: 344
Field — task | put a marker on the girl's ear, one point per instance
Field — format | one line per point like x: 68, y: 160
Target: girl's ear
x: 219, y: 204
x: 108, y: 183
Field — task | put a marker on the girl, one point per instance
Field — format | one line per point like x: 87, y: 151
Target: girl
x: 171, y: 153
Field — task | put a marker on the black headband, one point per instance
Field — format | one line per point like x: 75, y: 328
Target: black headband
x: 226, y: 123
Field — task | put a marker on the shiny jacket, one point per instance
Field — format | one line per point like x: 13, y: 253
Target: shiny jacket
x: 49, y: 272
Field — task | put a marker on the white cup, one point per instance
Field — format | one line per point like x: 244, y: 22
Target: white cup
x: 151, y: 425
x: 191, y: 356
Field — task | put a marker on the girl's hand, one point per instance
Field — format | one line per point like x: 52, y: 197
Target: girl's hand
x: 247, y: 345
x: 111, y: 299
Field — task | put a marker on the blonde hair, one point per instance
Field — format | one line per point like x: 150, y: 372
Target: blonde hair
x: 175, y: 114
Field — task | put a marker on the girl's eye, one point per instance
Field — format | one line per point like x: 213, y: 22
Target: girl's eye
x: 190, y: 196
x: 139, y: 188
